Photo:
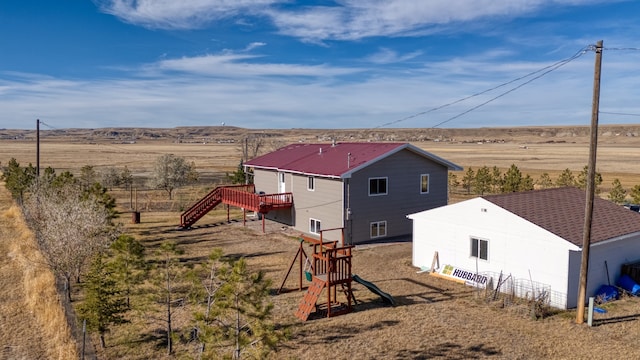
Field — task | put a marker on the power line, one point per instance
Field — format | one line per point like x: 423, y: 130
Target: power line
x: 623, y: 49
x: 545, y: 70
x: 552, y: 68
x: 618, y: 113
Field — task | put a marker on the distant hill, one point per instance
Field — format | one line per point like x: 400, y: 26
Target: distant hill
x: 224, y: 134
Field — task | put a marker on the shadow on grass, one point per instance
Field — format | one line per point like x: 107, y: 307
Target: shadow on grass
x: 331, y: 334
x: 157, y: 337
x: 617, y: 319
x: 431, y: 294
x: 450, y: 350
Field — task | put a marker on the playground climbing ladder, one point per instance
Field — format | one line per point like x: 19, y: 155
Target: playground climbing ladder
x: 308, y: 303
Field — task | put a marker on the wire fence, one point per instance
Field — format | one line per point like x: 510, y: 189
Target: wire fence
x: 501, y: 286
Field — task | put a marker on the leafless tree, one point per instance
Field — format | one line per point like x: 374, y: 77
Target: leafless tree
x: 69, y: 230
x: 172, y: 171
x: 254, y: 145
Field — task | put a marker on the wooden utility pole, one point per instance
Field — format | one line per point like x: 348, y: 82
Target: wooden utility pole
x: 37, y: 148
x: 588, y: 211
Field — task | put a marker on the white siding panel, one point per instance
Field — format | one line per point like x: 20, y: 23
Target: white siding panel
x: 516, y: 246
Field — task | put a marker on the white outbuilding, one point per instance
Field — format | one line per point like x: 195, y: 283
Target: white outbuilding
x: 534, y: 238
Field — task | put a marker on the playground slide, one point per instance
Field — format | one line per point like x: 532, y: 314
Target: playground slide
x: 374, y: 289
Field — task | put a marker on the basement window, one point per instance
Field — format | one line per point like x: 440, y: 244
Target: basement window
x: 378, y: 229
x: 480, y: 248
x: 377, y: 186
x: 314, y: 226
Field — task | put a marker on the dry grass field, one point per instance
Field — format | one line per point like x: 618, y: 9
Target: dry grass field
x: 434, y: 318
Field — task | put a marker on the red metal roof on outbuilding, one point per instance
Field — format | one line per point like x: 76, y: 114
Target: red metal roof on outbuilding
x: 333, y: 160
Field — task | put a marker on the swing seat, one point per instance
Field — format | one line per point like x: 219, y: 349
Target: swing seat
x: 308, y: 275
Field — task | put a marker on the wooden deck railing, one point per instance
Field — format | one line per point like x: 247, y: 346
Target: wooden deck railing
x: 243, y: 196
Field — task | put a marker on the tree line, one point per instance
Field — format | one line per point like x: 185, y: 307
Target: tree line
x: 73, y: 219
x: 486, y: 180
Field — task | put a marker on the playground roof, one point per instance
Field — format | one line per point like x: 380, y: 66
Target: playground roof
x: 337, y: 160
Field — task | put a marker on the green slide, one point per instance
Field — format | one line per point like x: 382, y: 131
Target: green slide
x: 374, y: 289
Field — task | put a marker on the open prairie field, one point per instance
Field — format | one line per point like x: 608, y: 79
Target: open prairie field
x: 433, y: 318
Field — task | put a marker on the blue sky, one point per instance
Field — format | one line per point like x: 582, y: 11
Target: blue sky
x: 315, y: 64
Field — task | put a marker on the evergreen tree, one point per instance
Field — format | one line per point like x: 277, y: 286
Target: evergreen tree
x: 243, y: 312
x: 468, y: 180
x: 453, y: 181
x: 635, y: 194
x: 581, y: 181
x: 104, y: 304
x: 496, y: 179
x: 512, y: 180
x: 566, y: 178
x: 482, y: 181
x: 239, y: 176
x: 127, y: 263
x: 527, y: 183
x: 544, y: 182
x: 617, y: 193
x: 18, y: 180
x: 88, y: 177
x: 99, y: 194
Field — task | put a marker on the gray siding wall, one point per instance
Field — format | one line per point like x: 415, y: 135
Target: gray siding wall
x: 403, y: 171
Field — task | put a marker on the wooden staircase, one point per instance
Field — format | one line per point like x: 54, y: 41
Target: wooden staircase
x: 308, y: 303
x: 243, y: 196
x: 201, y: 208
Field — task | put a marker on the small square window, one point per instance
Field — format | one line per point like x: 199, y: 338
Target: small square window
x: 424, y: 184
x: 378, y: 186
x: 314, y: 226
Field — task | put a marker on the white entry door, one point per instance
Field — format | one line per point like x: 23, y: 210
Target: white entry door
x: 281, y: 184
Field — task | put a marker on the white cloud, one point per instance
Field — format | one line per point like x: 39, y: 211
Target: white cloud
x: 232, y: 65
x: 174, y: 97
x: 355, y: 19
x: 179, y: 14
x: 344, y: 20
x: 388, y: 56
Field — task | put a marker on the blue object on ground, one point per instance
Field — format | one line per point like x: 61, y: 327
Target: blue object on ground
x: 607, y: 293
x: 599, y: 310
x: 627, y: 283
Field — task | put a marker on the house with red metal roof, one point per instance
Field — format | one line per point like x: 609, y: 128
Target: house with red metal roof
x: 532, y: 239
x: 352, y: 192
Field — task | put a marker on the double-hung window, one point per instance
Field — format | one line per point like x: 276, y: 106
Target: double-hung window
x: 480, y: 248
x: 378, y: 186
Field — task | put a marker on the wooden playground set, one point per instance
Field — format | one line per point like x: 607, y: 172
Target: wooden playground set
x: 328, y: 268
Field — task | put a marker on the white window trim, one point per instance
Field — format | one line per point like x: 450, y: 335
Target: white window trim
x: 378, y: 223
x: 428, y: 183
x: 479, y: 241
x: 313, y: 230
x: 379, y: 177
x: 311, y: 183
